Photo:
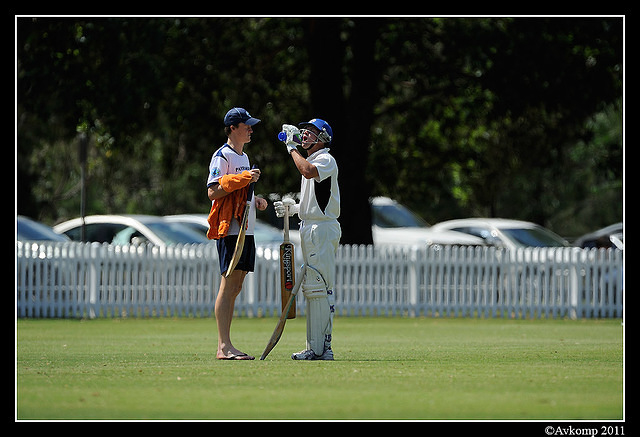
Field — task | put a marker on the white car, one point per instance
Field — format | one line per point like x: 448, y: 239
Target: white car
x: 263, y: 232
x: 507, y: 233
x: 130, y: 229
x: 394, y: 223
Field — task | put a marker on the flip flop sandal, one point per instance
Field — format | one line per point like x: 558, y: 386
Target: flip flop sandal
x: 238, y: 357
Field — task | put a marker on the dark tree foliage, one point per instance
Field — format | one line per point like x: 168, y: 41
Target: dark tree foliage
x: 514, y: 117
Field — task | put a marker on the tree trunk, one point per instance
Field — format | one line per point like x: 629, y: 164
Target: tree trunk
x: 350, y: 116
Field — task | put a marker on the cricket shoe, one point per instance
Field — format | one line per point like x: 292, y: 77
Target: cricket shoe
x: 311, y: 355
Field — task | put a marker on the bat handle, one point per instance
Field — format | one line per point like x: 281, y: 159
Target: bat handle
x: 286, y: 223
x: 251, y: 185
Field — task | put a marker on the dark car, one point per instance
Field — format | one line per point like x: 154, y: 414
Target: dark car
x: 609, y: 236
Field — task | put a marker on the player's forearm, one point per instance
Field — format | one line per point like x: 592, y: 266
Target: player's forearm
x: 305, y: 168
x: 216, y: 192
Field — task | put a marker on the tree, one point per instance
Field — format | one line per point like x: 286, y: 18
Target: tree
x: 451, y: 116
x: 478, y: 115
x: 348, y: 101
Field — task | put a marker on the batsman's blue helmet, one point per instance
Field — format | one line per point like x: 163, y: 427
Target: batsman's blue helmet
x: 326, y: 133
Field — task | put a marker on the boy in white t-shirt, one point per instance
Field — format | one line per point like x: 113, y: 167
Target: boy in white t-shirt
x: 230, y: 174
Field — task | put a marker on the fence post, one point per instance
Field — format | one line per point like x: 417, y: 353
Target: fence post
x: 413, y: 280
x: 574, y: 289
x: 94, y: 279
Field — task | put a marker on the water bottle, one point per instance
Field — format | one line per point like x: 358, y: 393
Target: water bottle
x: 282, y: 136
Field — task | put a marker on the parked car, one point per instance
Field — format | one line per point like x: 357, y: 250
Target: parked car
x: 263, y: 232
x: 32, y: 275
x: 609, y: 236
x: 31, y: 230
x: 394, y: 223
x: 506, y: 233
x: 130, y: 229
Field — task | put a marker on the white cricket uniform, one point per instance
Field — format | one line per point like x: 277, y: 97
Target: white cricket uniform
x: 227, y: 161
x: 319, y: 210
x: 320, y: 235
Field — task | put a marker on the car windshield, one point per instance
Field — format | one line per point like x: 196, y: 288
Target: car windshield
x: 175, y: 233
x: 396, y: 216
x: 534, y: 237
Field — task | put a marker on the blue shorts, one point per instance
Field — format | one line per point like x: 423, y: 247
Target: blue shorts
x: 227, y: 245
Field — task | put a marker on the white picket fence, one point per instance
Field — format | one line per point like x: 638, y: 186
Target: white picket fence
x: 75, y: 280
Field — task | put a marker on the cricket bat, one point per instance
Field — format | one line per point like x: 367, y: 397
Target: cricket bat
x: 287, y: 268
x: 277, y: 332
x: 237, y: 252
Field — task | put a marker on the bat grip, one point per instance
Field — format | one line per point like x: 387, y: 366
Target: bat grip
x: 251, y: 186
x: 286, y: 222
x: 250, y: 192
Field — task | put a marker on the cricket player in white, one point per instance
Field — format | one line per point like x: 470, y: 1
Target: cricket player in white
x: 320, y: 232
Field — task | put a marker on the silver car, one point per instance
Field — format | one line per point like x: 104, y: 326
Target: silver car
x: 393, y: 223
x: 507, y: 233
x: 263, y: 232
x: 31, y: 230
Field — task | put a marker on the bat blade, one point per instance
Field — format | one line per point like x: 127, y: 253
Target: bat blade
x: 277, y: 332
x: 237, y: 253
x: 287, y: 277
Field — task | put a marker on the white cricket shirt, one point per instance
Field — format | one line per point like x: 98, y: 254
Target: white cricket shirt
x: 227, y: 161
x: 320, y: 197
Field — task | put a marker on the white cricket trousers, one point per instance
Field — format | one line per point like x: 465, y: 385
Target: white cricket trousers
x: 319, y: 245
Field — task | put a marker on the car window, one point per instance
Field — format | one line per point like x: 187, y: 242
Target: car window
x: 395, y: 216
x: 534, y: 237
x: 176, y: 233
x: 196, y: 227
x: 96, y: 232
x: 126, y: 236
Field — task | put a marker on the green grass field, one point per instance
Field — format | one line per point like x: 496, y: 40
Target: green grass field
x: 385, y: 368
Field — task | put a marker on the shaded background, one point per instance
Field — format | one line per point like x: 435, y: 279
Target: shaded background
x: 454, y: 117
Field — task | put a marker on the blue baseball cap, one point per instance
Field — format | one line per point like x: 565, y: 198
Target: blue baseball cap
x: 239, y: 115
x: 326, y: 133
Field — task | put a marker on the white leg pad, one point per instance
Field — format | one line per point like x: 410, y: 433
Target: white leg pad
x: 320, y: 309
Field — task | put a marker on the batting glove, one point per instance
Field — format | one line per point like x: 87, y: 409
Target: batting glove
x: 279, y: 206
x: 293, y: 137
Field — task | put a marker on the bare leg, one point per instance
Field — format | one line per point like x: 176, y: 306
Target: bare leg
x: 229, y: 289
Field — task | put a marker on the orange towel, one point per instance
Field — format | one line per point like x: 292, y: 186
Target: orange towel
x: 231, y: 206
